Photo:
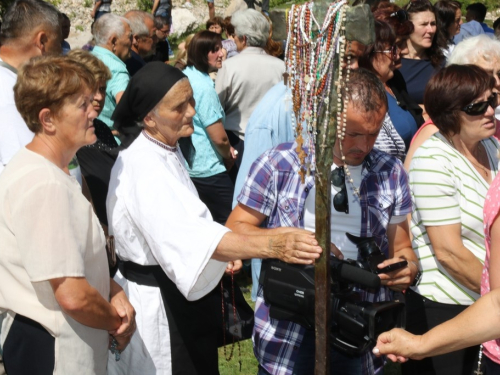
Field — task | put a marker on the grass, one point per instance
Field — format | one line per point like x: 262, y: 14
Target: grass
x: 248, y: 362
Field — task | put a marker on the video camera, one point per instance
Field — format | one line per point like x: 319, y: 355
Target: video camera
x: 289, y: 291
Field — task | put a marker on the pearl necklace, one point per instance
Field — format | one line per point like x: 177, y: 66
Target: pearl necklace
x: 309, y: 57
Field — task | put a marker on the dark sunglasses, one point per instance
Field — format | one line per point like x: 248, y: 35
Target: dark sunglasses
x: 393, y: 51
x: 340, y: 201
x: 401, y: 14
x: 480, y: 108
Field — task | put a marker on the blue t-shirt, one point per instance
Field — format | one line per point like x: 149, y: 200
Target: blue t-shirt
x: 403, y: 121
x: 416, y: 74
x: 207, y: 161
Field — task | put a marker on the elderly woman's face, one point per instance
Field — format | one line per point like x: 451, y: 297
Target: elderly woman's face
x: 480, y: 126
x: 74, y: 121
x: 123, y: 43
x: 173, y: 118
x: 492, y: 67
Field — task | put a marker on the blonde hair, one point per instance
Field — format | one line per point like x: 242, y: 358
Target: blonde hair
x: 182, y: 54
x: 97, y: 67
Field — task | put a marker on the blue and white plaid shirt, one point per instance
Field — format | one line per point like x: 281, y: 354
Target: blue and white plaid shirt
x: 273, y: 188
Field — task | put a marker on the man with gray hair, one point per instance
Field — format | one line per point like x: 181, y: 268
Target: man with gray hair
x: 145, y: 39
x: 30, y: 28
x: 113, y: 38
x: 245, y: 78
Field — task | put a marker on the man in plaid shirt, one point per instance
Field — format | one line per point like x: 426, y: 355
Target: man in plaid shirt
x: 274, y: 199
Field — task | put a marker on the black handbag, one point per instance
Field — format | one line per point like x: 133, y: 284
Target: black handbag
x: 237, y: 315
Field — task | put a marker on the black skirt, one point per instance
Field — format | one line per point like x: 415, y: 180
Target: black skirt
x: 28, y: 349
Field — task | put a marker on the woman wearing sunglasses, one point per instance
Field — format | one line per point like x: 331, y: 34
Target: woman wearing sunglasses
x: 449, y: 176
x: 383, y: 58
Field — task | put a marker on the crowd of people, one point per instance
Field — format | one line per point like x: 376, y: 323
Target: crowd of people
x: 129, y: 186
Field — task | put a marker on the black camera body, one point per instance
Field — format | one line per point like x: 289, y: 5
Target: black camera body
x: 289, y: 291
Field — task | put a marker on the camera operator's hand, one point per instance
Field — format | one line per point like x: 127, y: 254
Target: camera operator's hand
x: 334, y: 250
x: 397, y: 280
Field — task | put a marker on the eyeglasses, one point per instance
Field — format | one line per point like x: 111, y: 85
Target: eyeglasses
x: 340, y: 201
x: 480, y: 108
x: 393, y: 51
x: 401, y: 14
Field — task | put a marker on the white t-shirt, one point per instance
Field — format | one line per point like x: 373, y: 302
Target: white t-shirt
x: 49, y: 230
x: 340, y: 221
x: 14, y: 134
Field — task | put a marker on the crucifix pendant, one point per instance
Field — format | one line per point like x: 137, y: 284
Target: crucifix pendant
x: 478, y: 372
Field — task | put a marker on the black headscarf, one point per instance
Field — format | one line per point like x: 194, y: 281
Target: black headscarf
x: 144, y: 91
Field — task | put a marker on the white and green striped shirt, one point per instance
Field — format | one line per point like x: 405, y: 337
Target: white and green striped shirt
x: 447, y: 189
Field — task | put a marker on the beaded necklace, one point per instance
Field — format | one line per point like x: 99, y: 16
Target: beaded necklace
x: 309, y: 60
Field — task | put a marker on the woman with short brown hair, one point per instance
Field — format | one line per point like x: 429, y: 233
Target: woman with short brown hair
x: 450, y: 175
x: 61, y: 303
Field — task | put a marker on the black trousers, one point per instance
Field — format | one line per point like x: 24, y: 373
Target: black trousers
x: 217, y: 193
x: 490, y: 367
x: 423, y: 314
x: 28, y: 349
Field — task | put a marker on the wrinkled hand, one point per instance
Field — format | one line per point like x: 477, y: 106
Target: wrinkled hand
x: 297, y: 246
x: 125, y: 311
x: 398, y: 345
x: 234, y: 266
x: 397, y: 280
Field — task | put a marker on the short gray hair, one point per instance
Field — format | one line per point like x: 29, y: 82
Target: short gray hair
x: 137, y: 19
x: 473, y: 49
x: 108, y: 25
x: 24, y: 17
x: 253, y: 25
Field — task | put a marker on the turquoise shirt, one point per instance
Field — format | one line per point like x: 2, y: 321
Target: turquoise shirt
x: 117, y: 83
x: 207, y: 161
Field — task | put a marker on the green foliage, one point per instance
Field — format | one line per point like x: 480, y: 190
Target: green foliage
x: 87, y: 3
x: 55, y: 3
x: 79, y: 27
x: 145, y: 5
x: 275, y: 3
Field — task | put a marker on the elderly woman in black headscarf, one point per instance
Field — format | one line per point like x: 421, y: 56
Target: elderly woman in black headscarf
x: 172, y: 253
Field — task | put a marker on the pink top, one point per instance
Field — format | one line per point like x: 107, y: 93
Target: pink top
x: 491, y: 210
x: 428, y: 122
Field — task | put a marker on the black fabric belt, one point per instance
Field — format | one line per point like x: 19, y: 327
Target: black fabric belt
x: 142, y: 275
x: 193, y: 325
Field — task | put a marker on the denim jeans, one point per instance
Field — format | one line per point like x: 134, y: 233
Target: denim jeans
x: 340, y: 364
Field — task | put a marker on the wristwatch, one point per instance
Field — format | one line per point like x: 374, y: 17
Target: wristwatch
x: 418, y: 276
